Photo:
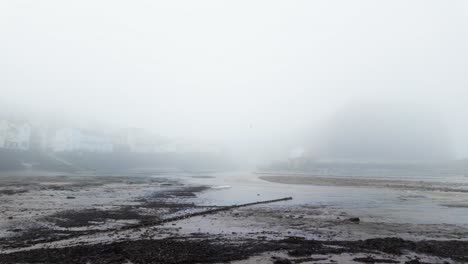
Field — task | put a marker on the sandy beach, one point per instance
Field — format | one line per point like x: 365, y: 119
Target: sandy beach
x: 410, y: 185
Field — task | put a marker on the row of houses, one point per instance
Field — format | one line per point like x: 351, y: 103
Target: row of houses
x: 70, y: 140
x: 22, y: 136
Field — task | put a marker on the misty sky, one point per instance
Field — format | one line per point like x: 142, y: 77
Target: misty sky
x: 248, y: 72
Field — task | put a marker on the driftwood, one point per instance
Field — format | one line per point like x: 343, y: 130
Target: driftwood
x: 206, y: 212
x: 161, y: 221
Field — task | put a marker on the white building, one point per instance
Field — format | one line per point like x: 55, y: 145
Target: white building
x: 74, y: 140
x: 14, y: 135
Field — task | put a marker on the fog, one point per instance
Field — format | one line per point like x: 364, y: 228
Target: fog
x: 259, y: 77
x: 383, y: 132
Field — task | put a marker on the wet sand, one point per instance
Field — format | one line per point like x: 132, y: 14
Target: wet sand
x: 106, y: 219
x: 411, y: 185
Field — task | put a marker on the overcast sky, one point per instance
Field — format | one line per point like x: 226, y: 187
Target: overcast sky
x: 236, y: 71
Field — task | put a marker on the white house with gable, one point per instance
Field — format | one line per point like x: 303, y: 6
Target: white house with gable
x: 14, y: 136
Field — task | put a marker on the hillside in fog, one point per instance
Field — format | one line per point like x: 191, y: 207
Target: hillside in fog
x: 385, y: 133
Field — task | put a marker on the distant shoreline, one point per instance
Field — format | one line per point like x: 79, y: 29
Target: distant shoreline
x: 369, y: 183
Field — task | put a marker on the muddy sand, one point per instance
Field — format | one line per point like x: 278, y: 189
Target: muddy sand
x: 145, y: 219
x: 410, y: 185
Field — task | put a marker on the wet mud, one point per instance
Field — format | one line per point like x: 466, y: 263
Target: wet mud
x: 147, y: 230
x: 174, y: 250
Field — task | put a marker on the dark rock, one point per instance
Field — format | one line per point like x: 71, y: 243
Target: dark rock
x: 370, y: 259
x: 415, y: 261
x: 282, y: 261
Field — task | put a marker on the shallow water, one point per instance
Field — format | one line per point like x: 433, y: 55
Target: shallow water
x: 373, y: 204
